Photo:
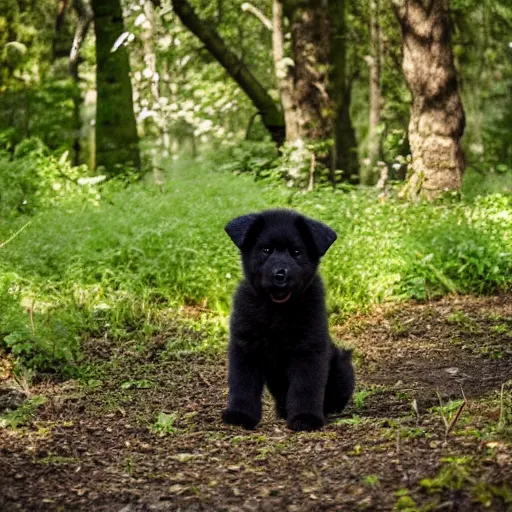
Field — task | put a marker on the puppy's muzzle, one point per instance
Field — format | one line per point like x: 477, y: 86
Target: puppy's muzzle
x: 279, y: 276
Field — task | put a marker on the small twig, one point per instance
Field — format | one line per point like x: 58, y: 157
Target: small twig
x: 204, y: 379
x: 322, y: 90
x: 445, y: 504
x: 247, y: 7
x: 414, y: 406
x: 312, y: 173
x: 249, y: 125
x: 445, y: 421
x: 501, y: 421
x: 449, y: 426
x: 463, y: 395
x: 31, y: 314
x: 15, y: 234
x: 398, y: 442
x: 455, y: 418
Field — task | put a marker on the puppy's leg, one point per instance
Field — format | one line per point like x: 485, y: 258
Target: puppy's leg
x: 245, y: 389
x: 341, y: 381
x: 305, y: 400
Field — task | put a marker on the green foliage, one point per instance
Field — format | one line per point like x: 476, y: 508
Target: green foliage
x: 396, y: 250
x: 21, y: 415
x: 360, y: 396
x: 404, y: 501
x: 34, y: 178
x: 165, y: 424
x: 38, y: 110
x: 257, y: 158
x: 200, y: 105
x: 128, y: 265
x: 484, y: 182
x: 38, y: 333
x: 486, y: 76
x: 293, y: 164
x: 372, y: 480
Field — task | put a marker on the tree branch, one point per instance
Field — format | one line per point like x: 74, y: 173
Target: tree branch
x: 271, y: 116
x: 247, y: 7
x: 85, y: 16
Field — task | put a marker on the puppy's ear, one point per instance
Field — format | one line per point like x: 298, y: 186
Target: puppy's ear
x: 238, y: 228
x: 321, y: 235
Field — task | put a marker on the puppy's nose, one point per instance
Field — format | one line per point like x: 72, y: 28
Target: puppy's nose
x: 280, y: 276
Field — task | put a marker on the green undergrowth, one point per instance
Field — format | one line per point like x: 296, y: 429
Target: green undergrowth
x: 146, y: 254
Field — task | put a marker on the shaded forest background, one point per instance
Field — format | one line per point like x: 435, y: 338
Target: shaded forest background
x: 207, y: 74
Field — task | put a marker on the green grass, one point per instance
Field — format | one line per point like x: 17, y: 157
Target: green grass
x: 126, y: 266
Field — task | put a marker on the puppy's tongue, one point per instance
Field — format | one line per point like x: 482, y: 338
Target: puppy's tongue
x: 280, y: 301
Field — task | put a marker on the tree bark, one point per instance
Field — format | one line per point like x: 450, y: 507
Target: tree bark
x: 437, y: 116
x: 271, y: 116
x: 160, y: 120
x: 345, y: 157
x: 117, y: 142
x: 310, y: 30
x: 60, y: 41
x: 375, y: 91
x: 85, y: 17
x: 284, y: 74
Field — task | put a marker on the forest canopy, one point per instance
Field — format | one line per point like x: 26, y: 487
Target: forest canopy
x: 359, y: 91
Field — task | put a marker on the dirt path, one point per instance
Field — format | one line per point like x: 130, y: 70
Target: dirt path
x: 102, y: 447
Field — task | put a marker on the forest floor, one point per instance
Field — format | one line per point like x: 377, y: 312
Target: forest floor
x: 145, y: 432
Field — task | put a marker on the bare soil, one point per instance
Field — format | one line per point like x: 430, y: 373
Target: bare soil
x: 99, y: 446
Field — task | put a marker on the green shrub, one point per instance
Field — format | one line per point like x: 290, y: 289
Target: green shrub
x: 40, y: 334
x: 34, y: 179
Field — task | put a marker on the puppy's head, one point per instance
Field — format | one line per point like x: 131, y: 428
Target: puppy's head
x: 280, y: 250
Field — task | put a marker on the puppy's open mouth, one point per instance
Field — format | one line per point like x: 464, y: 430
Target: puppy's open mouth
x: 279, y: 297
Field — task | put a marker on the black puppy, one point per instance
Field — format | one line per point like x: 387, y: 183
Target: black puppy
x: 279, y: 331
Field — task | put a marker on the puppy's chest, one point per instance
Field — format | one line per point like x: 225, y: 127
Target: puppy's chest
x: 279, y: 329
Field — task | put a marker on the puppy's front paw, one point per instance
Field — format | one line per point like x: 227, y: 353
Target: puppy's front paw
x: 239, y: 418
x: 305, y: 422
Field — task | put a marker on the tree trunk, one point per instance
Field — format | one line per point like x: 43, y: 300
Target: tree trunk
x: 60, y: 41
x: 437, y: 116
x: 271, y: 116
x: 284, y: 74
x: 160, y: 119
x: 117, y: 142
x: 85, y: 16
x: 375, y: 92
x: 344, y: 156
x: 310, y: 30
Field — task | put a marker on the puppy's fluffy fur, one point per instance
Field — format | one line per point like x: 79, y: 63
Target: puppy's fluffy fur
x: 279, y: 331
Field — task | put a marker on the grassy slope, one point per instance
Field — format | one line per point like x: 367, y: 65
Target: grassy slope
x: 120, y: 266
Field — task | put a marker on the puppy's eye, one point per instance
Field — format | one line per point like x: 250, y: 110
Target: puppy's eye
x: 296, y: 253
x: 267, y: 250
